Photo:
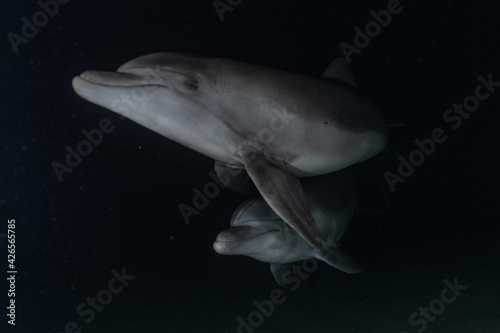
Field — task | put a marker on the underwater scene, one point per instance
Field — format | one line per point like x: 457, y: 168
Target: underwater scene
x: 249, y: 166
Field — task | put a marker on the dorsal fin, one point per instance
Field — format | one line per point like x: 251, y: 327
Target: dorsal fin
x: 339, y: 69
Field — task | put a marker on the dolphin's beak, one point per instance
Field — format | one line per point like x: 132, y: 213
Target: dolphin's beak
x: 107, y: 89
x: 108, y: 79
x: 103, y: 88
x: 230, y: 239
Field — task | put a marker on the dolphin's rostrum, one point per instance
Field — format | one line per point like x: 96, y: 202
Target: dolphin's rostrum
x: 222, y: 107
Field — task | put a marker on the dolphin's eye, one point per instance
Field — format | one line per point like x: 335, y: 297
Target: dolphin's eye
x: 191, y: 85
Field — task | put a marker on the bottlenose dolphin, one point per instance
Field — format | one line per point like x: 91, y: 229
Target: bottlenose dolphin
x: 256, y: 231
x: 275, y: 125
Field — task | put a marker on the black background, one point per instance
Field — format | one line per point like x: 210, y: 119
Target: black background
x: 119, y: 208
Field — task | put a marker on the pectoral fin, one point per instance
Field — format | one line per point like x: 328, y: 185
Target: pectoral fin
x: 283, y: 192
x: 233, y: 178
x: 280, y: 272
x: 334, y: 257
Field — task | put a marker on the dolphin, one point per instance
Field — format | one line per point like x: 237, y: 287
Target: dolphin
x: 256, y: 122
x: 256, y: 231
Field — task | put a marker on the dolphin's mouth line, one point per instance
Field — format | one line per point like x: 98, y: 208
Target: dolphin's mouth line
x: 127, y: 70
x: 148, y: 86
x: 114, y: 79
x: 232, y: 235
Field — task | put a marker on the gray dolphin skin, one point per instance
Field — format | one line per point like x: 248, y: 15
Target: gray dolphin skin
x: 256, y: 231
x: 266, y: 124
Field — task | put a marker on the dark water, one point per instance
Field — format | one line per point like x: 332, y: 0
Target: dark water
x: 116, y: 213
